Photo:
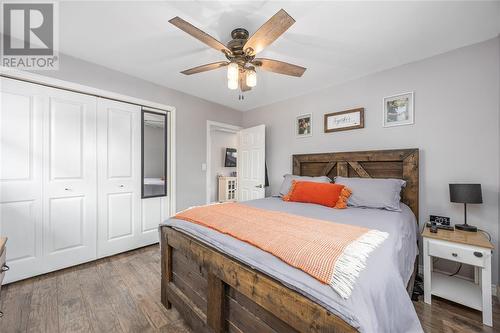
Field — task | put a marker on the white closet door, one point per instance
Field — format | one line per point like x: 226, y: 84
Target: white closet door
x: 119, y: 184
x: 70, y: 179
x: 21, y: 110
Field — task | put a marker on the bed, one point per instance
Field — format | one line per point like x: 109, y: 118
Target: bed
x: 220, y: 284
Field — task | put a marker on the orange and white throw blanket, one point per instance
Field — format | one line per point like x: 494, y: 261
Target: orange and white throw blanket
x: 330, y: 252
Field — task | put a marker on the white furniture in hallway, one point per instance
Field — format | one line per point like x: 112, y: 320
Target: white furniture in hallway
x: 70, y: 179
x: 470, y: 248
x: 228, y: 189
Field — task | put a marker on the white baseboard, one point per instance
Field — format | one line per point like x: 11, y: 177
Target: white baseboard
x: 495, y: 290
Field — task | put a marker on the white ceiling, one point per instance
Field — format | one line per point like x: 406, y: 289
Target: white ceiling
x: 336, y: 41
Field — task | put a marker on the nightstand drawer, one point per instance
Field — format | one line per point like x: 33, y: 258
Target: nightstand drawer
x: 457, y: 252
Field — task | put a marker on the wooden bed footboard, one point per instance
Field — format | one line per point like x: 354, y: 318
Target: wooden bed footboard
x: 215, y: 293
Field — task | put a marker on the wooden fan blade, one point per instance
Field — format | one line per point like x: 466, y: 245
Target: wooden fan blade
x: 199, y: 34
x: 204, y: 68
x: 280, y: 67
x: 269, y: 32
x: 243, y: 82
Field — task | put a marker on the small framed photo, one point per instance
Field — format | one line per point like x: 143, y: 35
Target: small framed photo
x: 344, y: 120
x: 399, y: 110
x: 303, y: 125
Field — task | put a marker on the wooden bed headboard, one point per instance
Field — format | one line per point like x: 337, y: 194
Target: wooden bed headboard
x: 400, y: 164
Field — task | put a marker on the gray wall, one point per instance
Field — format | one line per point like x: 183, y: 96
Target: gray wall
x: 456, y: 127
x: 192, y: 115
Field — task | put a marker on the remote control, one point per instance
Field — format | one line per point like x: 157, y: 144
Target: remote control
x: 444, y: 227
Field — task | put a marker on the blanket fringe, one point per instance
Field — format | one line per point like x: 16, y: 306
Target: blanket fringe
x: 353, y: 260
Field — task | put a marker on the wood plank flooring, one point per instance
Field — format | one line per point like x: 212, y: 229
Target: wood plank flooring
x: 116, y: 294
x: 122, y: 294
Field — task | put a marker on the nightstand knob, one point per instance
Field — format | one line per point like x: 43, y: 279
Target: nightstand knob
x: 454, y: 254
x: 478, y: 254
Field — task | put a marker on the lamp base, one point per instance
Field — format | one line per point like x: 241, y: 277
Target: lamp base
x: 466, y: 227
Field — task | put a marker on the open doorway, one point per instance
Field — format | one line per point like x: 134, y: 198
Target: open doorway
x: 220, y: 137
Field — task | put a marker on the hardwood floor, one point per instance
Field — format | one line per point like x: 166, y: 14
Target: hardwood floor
x: 122, y: 294
x: 116, y: 294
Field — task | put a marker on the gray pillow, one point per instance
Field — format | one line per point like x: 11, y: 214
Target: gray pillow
x: 287, y: 181
x: 374, y: 193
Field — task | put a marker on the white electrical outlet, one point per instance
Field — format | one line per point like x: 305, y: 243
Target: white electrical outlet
x: 203, y: 166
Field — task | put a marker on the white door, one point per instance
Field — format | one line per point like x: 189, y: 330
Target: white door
x: 21, y: 111
x: 119, y: 184
x: 70, y: 179
x: 251, y: 163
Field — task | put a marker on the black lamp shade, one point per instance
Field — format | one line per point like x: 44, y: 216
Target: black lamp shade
x: 466, y: 193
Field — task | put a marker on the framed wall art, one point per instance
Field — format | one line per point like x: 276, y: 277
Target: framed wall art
x: 303, y: 125
x: 399, y: 110
x: 344, y: 120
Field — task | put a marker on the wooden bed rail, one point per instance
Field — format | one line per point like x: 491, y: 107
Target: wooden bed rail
x: 231, y: 286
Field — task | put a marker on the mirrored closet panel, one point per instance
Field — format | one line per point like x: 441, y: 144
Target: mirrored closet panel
x: 154, y: 154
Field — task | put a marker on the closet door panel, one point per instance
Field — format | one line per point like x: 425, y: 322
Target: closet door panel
x: 120, y: 215
x: 21, y: 111
x: 152, y: 214
x: 120, y: 143
x: 66, y: 223
x: 17, y: 117
x: 70, y: 187
x: 66, y: 139
x: 22, y: 234
x: 119, y: 162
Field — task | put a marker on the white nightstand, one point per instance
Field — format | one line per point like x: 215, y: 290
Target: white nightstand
x: 472, y: 248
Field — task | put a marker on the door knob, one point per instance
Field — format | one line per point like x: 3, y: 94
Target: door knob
x: 258, y: 186
x: 67, y: 189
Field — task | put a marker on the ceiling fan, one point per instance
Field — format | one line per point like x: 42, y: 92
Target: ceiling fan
x: 241, y: 51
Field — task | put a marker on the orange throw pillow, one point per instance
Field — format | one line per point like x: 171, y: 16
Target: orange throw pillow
x: 326, y: 194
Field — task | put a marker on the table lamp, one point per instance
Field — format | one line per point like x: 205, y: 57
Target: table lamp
x: 466, y: 194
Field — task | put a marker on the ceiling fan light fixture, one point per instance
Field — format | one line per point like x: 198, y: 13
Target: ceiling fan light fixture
x: 242, y: 50
x: 233, y: 71
x: 233, y: 83
x: 251, y: 79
